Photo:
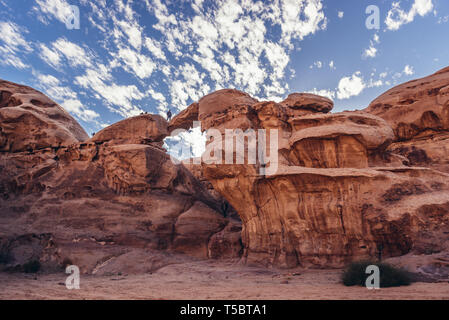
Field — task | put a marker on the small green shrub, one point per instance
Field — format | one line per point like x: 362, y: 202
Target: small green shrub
x: 66, y: 262
x: 390, y: 276
x: 4, y: 258
x: 32, y: 266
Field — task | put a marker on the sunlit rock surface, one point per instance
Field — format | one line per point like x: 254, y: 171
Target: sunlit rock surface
x: 348, y: 186
x: 343, y: 186
x: 98, y: 202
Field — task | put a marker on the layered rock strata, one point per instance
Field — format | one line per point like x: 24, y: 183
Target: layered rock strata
x: 65, y: 198
x: 344, y: 187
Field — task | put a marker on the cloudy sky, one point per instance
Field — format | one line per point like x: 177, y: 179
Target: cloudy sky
x: 153, y: 55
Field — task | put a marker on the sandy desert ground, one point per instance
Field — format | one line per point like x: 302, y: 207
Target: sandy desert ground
x: 209, y: 280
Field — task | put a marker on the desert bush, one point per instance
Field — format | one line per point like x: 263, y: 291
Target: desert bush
x: 4, y: 258
x: 66, y: 262
x: 32, y: 266
x: 390, y: 276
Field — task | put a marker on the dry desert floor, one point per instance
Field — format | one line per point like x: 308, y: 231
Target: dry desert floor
x: 209, y: 280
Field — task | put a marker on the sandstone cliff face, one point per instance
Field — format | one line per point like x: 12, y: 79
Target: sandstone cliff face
x: 99, y: 202
x: 29, y: 120
x: 341, y: 191
x: 418, y: 111
x: 344, y: 186
x: 307, y: 103
x: 143, y: 129
x: 343, y: 140
x: 417, y: 107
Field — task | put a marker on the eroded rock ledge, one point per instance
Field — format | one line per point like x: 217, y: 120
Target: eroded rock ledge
x: 348, y: 184
x: 29, y: 120
x: 111, y: 203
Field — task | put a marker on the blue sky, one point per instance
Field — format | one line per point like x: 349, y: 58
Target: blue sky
x: 151, y: 55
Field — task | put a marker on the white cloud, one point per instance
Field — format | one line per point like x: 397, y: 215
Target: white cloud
x: 443, y: 19
x: 320, y: 64
x: 323, y: 92
x: 58, y: 9
x: 75, y: 55
x: 350, y: 86
x: 372, y: 51
x: 120, y: 96
x: 158, y: 96
x: 133, y: 32
x: 317, y: 64
x: 75, y: 107
x: 375, y: 83
x: 136, y: 63
x: 178, y: 93
x: 50, y: 56
x: 191, y: 87
x: 227, y: 43
x: 397, y: 17
x: 408, y: 70
x: 66, y: 97
x: 295, y: 28
x: 278, y: 58
x: 11, y: 36
x: 48, y: 80
x: 155, y: 48
x: 12, y: 45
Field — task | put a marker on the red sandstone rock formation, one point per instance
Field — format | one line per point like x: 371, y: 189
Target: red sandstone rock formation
x: 99, y: 202
x: 418, y: 111
x: 346, y: 186
x: 29, y: 120
x: 308, y: 102
x: 417, y: 107
x: 184, y: 120
x: 143, y: 129
x: 342, y: 190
